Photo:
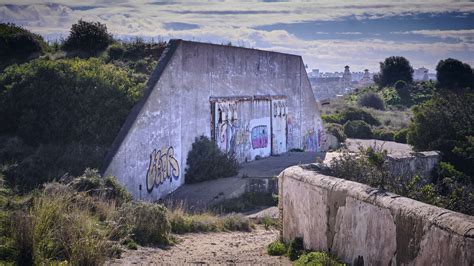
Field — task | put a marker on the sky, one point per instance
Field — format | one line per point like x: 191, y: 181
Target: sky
x: 327, y: 34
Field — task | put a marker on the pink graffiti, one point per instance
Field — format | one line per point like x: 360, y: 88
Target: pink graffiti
x: 259, y: 137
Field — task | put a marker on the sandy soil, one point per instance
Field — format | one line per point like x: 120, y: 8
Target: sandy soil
x: 212, y: 248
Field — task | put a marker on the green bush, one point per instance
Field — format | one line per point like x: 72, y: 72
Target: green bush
x: 206, y: 161
x: 393, y: 69
x: 147, y: 222
x: 446, y: 123
x: 276, y: 248
x: 87, y: 37
x: 296, y: 248
x: 332, y: 118
x: 401, y: 136
x: 454, y: 75
x: 18, y: 45
x: 383, y: 134
x: 351, y: 114
x: 337, y: 131
x: 65, y: 114
x: 371, y: 100
x: 116, y: 51
x: 65, y: 101
x: 317, y: 259
x: 358, y: 129
x: 106, y: 187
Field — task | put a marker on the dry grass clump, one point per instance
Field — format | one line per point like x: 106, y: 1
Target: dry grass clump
x: 59, y: 227
x: 147, y: 223
x: 184, y: 222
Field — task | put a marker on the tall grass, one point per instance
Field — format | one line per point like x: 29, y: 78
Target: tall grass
x: 65, y: 229
x: 185, y: 222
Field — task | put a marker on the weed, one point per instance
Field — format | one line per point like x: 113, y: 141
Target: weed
x: 296, y: 248
x: 276, y: 248
x: 317, y: 258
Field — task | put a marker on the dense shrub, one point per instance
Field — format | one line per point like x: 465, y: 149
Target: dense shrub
x: 18, y: 45
x: 393, y: 69
x: 65, y: 112
x: 318, y: 258
x: 446, y: 123
x: 65, y: 101
x: 147, y: 222
x: 351, y: 114
x: 87, y: 37
x: 336, y: 130
x: 116, y: 51
x: 357, y: 129
x: 107, y: 188
x: 383, y: 134
x: 391, y: 96
x: 401, y: 136
x: 206, y: 161
x: 453, y: 74
x: 371, y: 100
x: 296, y: 248
x: 276, y: 248
x: 48, y: 162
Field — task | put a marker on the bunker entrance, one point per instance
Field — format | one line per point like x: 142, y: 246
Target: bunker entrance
x: 249, y: 127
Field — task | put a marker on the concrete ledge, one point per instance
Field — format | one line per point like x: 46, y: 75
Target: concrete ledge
x: 359, y: 223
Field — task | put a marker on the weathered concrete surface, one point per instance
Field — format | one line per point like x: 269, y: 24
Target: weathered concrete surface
x: 402, y: 165
x: 194, y: 81
x: 356, y: 222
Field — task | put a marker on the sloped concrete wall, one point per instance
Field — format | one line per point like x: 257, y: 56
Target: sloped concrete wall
x: 357, y: 223
x: 151, y: 159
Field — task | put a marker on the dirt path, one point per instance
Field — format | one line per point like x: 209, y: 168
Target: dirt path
x: 211, y: 248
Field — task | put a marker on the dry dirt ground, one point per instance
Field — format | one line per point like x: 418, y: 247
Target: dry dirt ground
x: 248, y: 248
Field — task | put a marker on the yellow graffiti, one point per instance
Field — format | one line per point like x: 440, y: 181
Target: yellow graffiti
x: 163, y: 165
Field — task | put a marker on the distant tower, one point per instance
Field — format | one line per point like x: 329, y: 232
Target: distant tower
x: 425, y: 76
x: 366, y: 78
x: 346, y: 76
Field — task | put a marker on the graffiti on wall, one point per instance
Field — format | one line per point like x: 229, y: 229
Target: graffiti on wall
x: 259, y: 137
x: 290, y: 135
x: 312, y: 139
x: 163, y: 166
x: 226, y: 133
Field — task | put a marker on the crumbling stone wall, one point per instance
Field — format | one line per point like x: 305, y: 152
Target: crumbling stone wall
x: 358, y: 223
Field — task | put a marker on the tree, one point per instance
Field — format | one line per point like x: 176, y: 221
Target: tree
x: 88, y: 38
x: 18, y: 45
x: 446, y: 123
x: 371, y: 100
x: 454, y: 75
x: 393, y: 69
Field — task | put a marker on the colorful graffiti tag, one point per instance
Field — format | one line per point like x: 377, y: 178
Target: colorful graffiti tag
x: 163, y: 165
x: 259, y: 137
x: 312, y: 140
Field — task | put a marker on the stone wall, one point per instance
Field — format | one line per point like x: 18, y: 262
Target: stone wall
x: 416, y: 163
x: 358, y: 223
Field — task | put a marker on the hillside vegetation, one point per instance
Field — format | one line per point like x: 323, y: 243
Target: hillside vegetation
x: 427, y: 115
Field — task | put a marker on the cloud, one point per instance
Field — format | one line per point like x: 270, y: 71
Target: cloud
x: 243, y: 23
x: 461, y: 35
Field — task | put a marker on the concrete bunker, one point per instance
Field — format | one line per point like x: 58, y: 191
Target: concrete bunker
x: 252, y: 103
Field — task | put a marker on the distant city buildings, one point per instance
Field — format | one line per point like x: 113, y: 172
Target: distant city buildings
x: 329, y: 85
x: 422, y: 74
